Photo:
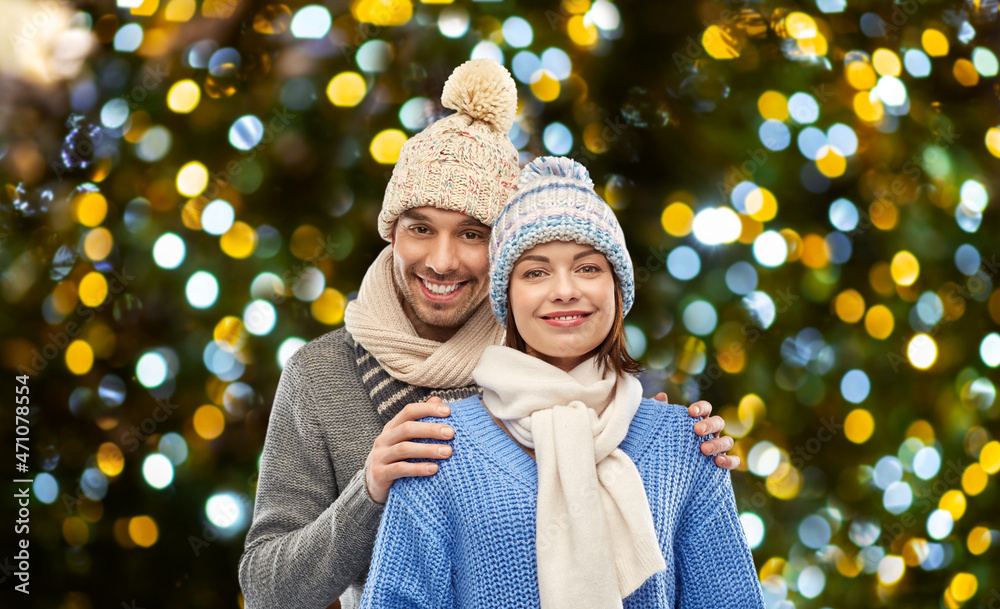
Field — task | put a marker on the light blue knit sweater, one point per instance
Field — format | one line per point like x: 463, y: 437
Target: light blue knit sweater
x: 465, y: 537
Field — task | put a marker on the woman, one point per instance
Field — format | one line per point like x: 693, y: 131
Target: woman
x: 565, y: 489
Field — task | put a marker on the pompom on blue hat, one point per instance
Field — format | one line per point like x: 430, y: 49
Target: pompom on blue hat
x: 555, y: 201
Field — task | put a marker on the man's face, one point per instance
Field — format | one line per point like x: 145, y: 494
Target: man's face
x: 441, y: 265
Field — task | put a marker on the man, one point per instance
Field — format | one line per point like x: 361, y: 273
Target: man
x: 347, y: 403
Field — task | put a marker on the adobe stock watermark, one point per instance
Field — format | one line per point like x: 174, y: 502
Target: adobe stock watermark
x: 44, y: 18
x: 257, y: 314
x: 977, y: 284
x: 694, y: 49
x: 799, y: 458
x: 58, y: 341
x: 750, y: 331
x: 891, y: 531
x: 279, y: 120
x: 229, y: 515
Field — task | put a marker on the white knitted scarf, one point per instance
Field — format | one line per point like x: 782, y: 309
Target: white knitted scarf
x: 596, y: 542
x: 377, y: 321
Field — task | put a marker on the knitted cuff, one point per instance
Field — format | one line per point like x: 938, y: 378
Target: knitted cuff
x: 358, y: 505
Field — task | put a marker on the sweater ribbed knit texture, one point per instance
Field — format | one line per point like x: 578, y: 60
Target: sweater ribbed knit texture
x: 465, y: 537
x: 314, y: 523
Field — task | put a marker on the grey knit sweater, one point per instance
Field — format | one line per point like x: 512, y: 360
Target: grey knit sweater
x: 314, y: 524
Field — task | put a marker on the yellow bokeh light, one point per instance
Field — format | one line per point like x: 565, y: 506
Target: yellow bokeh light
x: 974, y: 480
x: 64, y: 297
x: 383, y: 12
x: 386, y: 145
x: 814, y: 251
x: 879, y: 322
x: 146, y: 9
x: 93, y: 289
x: 581, y: 31
x: 209, y: 422
x: 880, y: 277
x: 773, y: 105
x: 184, y: 96
x: 346, y: 89
x: 866, y: 108
x: 886, y: 63
x: 306, y: 242
x: 677, y: 219
x: 965, y: 73
x: 761, y: 204
x: 904, y: 268
x: 546, y: 88
x: 921, y: 430
x: 750, y: 229
x: 989, y: 457
x: 922, y: 351
x: 800, y: 26
x: 891, y: 569
x: 239, y: 241
x: 79, y: 357
x: 859, y: 426
x: 110, y: 459
x: 850, y: 306
x: 993, y: 141
x: 143, y: 531
x: 884, y: 214
x: 192, y: 179
x: 785, y: 482
x: 954, y: 503
x: 180, y: 10
x: 97, y: 243
x: 91, y: 208
x: 816, y: 45
x: 230, y: 334
x: 794, y: 243
x: 329, y: 307
x: 75, y: 531
x: 963, y: 586
x: 575, y: 7
x: 719, y: 43
x: 915, y: 551
x: 861, y: 76
x: 935, y: 43
x: 979, y: 540
x: 831, y: 164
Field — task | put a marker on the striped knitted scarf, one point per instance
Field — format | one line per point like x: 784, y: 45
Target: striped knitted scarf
x: 397, y: 365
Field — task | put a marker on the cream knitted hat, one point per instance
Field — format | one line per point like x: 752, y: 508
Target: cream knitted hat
x: 464, y: 162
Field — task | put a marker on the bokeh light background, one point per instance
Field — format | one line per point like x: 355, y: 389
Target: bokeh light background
x: 190, y: 190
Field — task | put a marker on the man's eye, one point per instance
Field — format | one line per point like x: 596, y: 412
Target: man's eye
x: 417, y: 229
x: 473, y: 235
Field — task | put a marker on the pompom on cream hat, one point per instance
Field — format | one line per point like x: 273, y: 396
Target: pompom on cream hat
x: 464, y: 162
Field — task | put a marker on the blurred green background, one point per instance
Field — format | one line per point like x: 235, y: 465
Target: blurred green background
x: 190, y: 191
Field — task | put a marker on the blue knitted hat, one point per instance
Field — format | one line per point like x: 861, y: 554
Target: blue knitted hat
x: 555, y: 201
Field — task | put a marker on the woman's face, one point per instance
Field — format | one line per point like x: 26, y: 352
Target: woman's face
x: 562, y: 279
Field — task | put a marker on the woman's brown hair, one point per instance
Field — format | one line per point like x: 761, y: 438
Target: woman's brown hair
x: 611, y: 353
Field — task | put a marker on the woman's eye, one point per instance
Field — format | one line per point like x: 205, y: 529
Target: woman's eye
x: 591, y: 268
x: 532, y: 275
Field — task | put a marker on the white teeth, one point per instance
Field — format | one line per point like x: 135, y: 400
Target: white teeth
x: 567, y: 318
x: 438, y: 289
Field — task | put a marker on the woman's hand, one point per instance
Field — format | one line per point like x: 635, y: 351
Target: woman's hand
x: 710, y: 426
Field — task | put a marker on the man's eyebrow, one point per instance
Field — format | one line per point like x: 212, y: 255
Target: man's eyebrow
x: 537, y: 258
x: 416, y: 215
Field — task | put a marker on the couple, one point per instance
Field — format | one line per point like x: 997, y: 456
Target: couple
x: 350, y: 413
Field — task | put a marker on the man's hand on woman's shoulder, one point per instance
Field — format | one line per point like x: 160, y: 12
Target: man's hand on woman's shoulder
x: 718, y: 445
